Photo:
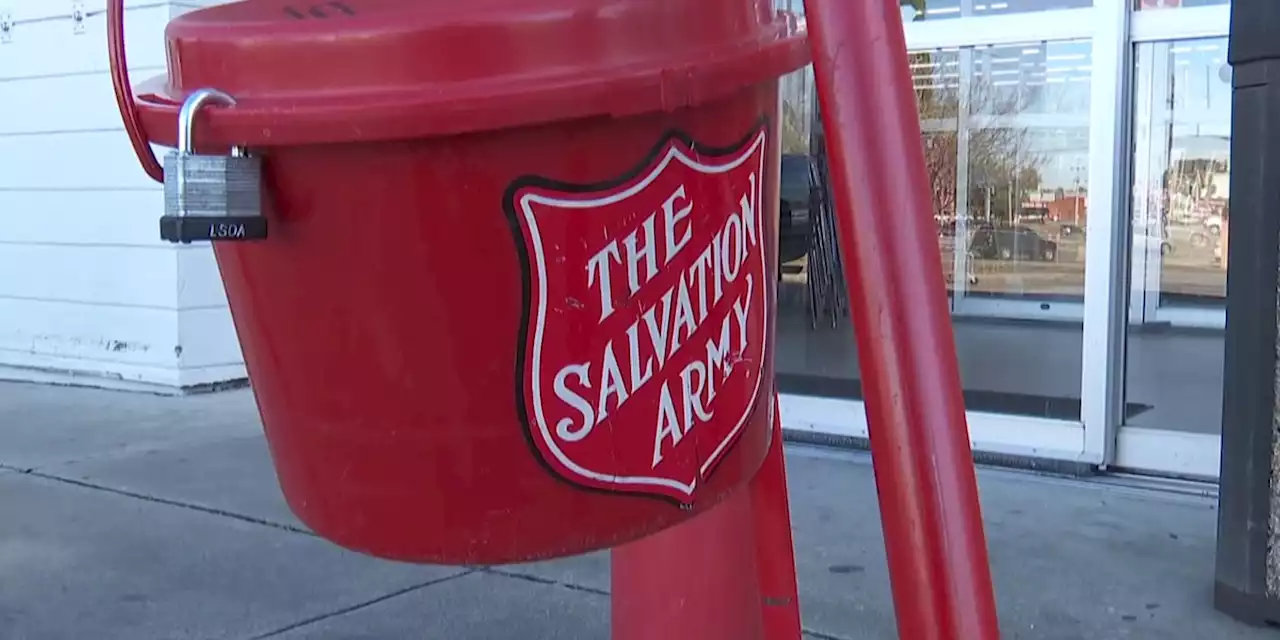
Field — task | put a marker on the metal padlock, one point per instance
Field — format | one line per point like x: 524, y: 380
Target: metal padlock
x: 210, y: 197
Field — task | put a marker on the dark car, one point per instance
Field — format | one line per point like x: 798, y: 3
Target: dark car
x: 1011, y: 243
x: 799, y: 182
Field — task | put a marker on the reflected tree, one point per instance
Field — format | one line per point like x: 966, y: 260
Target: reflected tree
x: 1196, y: 178
x: 938, y: 103
x: 1003, y: 169
x: 795, y: 137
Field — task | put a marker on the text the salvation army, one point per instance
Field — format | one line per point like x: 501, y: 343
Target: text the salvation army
x: 591, y: 391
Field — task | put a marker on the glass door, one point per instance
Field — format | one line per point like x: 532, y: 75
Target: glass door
x: 1180, y: 231
x: 1027, y: 129
x: 1182, y: 135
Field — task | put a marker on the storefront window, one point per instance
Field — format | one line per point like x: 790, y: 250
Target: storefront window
x: 1181, y: 227
x: 1182, y: 138
x: 913, y: 10
x: 1027, y: 170
x: 1005, y: 135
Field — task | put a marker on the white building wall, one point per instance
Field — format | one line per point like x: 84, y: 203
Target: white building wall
x: 88, y: 292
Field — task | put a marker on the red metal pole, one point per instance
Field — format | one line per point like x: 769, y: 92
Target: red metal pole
x: 924, y: 469
x: 695, y: 581
x: 729, y: 574
x: 775, y: 549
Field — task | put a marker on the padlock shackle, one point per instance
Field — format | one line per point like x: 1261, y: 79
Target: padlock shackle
x: 190, y: 108
x: 124, y: 91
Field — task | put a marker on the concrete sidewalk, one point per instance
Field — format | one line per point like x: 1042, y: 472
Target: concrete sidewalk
x: 138, y: 517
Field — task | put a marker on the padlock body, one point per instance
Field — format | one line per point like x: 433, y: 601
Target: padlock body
x: 211, y: 186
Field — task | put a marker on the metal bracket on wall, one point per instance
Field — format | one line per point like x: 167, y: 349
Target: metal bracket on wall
x: 77, y: 17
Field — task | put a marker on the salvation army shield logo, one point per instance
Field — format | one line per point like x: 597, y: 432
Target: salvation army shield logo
x: 645, y: 341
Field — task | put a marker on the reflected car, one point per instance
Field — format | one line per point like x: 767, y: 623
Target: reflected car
x: 1011, y: 243
x: 1213, y: 224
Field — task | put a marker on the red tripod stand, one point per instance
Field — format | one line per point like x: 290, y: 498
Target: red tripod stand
x: 728, y: 574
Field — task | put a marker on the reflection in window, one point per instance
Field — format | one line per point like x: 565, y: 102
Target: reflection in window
x: 1026, y: 166
x: 1180, y: 228
x: 916, y: 10
x: 1149, y: 5
x: 1005, y: 138
x: 798, y: 101
x: 1026, y: 215
x: 936, y: 77
x: 1040, y: 78
x: 941, y: 152
x: 1181, y: 174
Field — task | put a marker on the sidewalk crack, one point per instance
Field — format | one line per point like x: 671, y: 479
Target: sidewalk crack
x: 168, y: 502
x: 818, y: 635
x: 516, y: 575
x: 362, y: 605
x: 31, y: 472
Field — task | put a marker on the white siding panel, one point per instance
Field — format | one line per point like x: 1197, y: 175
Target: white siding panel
x: 185, y: 6
x: 210, y: 348
x: 199, y: 283
x: 52, y: 104
x: 117, y: 276
x: 119, y: 218
x: 86, y: 160
x: 100, y: 337
x: 88, y: 291
x: 50, y: 47
x: 50, y: 8
x: 208, y: 339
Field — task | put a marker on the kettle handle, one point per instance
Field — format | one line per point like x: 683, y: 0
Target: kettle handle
x: 124, y: 91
